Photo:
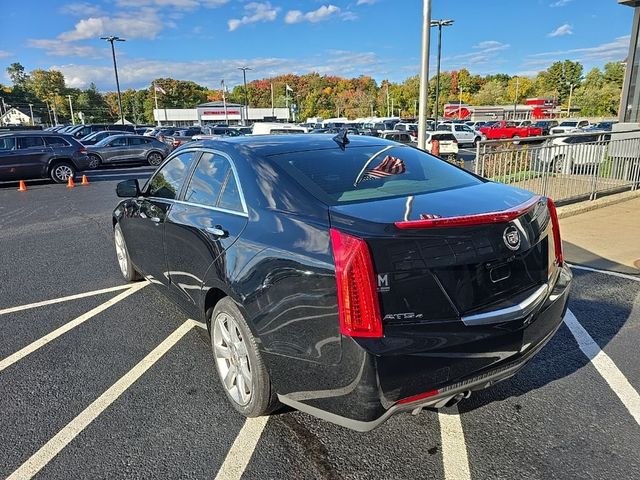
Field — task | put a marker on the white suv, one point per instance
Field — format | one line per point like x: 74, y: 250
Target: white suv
x: 569, y: 126
x: 463, y: 133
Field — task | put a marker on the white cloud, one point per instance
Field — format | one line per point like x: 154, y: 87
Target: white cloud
x: 560, y: 3
x: 143, y: 24
x: 254, y: 12
x: 81, y: 9
x: 5, y: 54
x: 605, y: 52
x: 561, y: 31
x: 314, y: 16
x: 489, y: 46
x: 64, y: 49
x: 138, y: 73
x: 179, y: 4
x: 366, y: 2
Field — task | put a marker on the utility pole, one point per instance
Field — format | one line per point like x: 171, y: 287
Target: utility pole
x: 73, y: 120
x: 49, y: 112
x: 31, y: 112
x: 388, y: 102
x: 246, y: 96
x: 570, y: 97
x: 515, y: 101
x: 112, y: 39
x: 460, y: 103
x: 439, y: 24
x: 424, y: 74
x: 224, y: 103
x: 273, y: 114
x: 155, y: 98
x: 53, y: 106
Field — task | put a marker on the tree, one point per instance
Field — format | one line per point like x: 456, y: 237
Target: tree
x: 561, y: 76
x: 614, y: 73
x: 92, y: 105
x: 17, y: 75
x: 493, y: 92
x: 524, y: 86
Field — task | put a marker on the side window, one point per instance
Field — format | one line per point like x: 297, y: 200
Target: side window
x: 459, y: 128
x: 118, y: 142
x: 136, y: 141
x: 29, y: 142
x: 56, y: 142
x: 207, y: 180
x: 167, y: 181
x: 7, y: 143
x: 230, y: 198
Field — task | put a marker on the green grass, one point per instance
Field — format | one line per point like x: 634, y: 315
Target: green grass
x: 518, y: 176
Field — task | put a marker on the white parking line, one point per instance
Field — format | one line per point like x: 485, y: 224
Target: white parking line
x: 43, y: 456
x: 242, y: 449
x: 19, y: 308
x: 32, y: 347
x: 606, y: 272
x: 605, y: 366
x: 454, y: 449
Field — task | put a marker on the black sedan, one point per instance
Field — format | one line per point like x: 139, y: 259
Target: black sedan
x: 350, y: 279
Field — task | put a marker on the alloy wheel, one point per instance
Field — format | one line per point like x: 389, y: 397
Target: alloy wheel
x: 121, y: 251
x: 155, y: 159
x: 232, y: 358
x: 63, y: 172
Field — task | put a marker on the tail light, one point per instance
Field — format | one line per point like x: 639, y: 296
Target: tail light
x: 176, y: 143
x: 83, y: 150
x: 357, y: 292
x: 557, y: 241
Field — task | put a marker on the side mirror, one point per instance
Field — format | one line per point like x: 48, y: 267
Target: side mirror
x: 128, y: 188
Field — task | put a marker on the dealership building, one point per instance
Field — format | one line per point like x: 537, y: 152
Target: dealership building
x: 218, y: 112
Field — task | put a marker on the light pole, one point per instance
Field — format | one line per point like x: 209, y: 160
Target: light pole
x: 515, y: 101
x: 570, y: 97
x: 246, y: 96
x: 439, y: 24
x: 112, y: 39
x: 73, y: 120
x: 424, y: 74
x: 31, y: 112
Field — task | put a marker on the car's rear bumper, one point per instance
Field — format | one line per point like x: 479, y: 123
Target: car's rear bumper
x: 382, y: 384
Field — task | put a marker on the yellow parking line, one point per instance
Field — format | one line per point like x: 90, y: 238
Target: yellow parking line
x: 54, y: 446
x: 62, y: 299
x: 242, y: 449
x: 454, y: 448
x: 32, y: 347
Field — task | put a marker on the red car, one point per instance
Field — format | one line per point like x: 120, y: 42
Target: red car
x: 503, y: 129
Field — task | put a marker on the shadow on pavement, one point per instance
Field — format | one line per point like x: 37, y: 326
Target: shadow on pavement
x: 579, y: 256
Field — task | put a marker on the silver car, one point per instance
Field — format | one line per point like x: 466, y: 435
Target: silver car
x: 127, y: 149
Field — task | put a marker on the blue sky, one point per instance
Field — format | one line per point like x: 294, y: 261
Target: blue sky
x: 206, y: 40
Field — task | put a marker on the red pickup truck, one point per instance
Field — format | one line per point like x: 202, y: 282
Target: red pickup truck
x: 503, y: 129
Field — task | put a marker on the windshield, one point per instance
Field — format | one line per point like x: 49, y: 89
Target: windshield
x: 372, y: 172
x: 568, y: 124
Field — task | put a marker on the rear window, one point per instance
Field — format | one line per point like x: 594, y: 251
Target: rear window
x: 7, y: 143
x: 443, y: 137
x: 373, y: 172
x: 56, y: 141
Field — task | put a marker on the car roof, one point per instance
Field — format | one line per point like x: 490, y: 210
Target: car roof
x: 266, y: 145
x: 40, y: 133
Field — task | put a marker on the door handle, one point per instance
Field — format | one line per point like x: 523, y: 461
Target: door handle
x: 155, y: 219
x: 217, y: 231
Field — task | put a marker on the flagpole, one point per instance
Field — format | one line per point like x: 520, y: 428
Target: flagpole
x: 272, y: 108
x: 155, y: 97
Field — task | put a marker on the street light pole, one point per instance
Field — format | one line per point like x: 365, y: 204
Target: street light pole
x: 439, y: 24
x: 424, y: 75
x: 31, y: 112
x: 246, y: 96
x: 570, y: 95
x: 515, y: 101
x: 73, y: 120
x: 112, y: 39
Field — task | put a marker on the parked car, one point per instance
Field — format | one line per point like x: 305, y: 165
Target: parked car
x: 31, y: 154
x: 504, y: 130
x: 463, y: 133
x: 222, y: 131
x: 180, y: 137
x: 407, y: 127
x: 350, y: 279
x: 401, y: 137
x: 244, y: 130
x: 266, y: 128
x: 606, y: 126
x: 569, y: 126
x: 545, y: 125
x: 127, y: 149
x: 95, y: 137
x: 80, y: 131
x: 448, y: 145
x: 575, y: 153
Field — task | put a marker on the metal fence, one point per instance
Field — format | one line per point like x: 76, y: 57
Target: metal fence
x: 565, y: 168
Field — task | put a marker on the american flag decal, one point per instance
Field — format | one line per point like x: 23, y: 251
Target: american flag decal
x: 389, y: 166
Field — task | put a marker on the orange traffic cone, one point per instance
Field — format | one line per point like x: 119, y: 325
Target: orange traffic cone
x: 22, y: 187
x: 70, y: 182
x: 85, y: 180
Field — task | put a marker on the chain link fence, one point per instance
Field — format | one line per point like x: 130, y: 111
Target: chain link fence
x: 566, y: 168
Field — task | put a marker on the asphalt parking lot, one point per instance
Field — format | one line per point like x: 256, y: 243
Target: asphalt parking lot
x: 100, y: 379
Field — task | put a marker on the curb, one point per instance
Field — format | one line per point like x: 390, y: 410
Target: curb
x: 588, y: 205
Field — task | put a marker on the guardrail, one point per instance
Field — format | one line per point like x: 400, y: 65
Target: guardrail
x: 567, y: 168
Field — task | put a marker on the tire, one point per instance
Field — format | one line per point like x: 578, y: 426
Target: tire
x: 233, y: 345
x: 94, y: 162
x: 476, y: 141
x: 154, y: 159
x: 61, y: 171
x: 516, y: 139
x: 122, y: 254
x: 557, y: 164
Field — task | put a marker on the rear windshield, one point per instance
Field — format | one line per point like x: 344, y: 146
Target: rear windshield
x: 373, y: 172
x: 443, y: 137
